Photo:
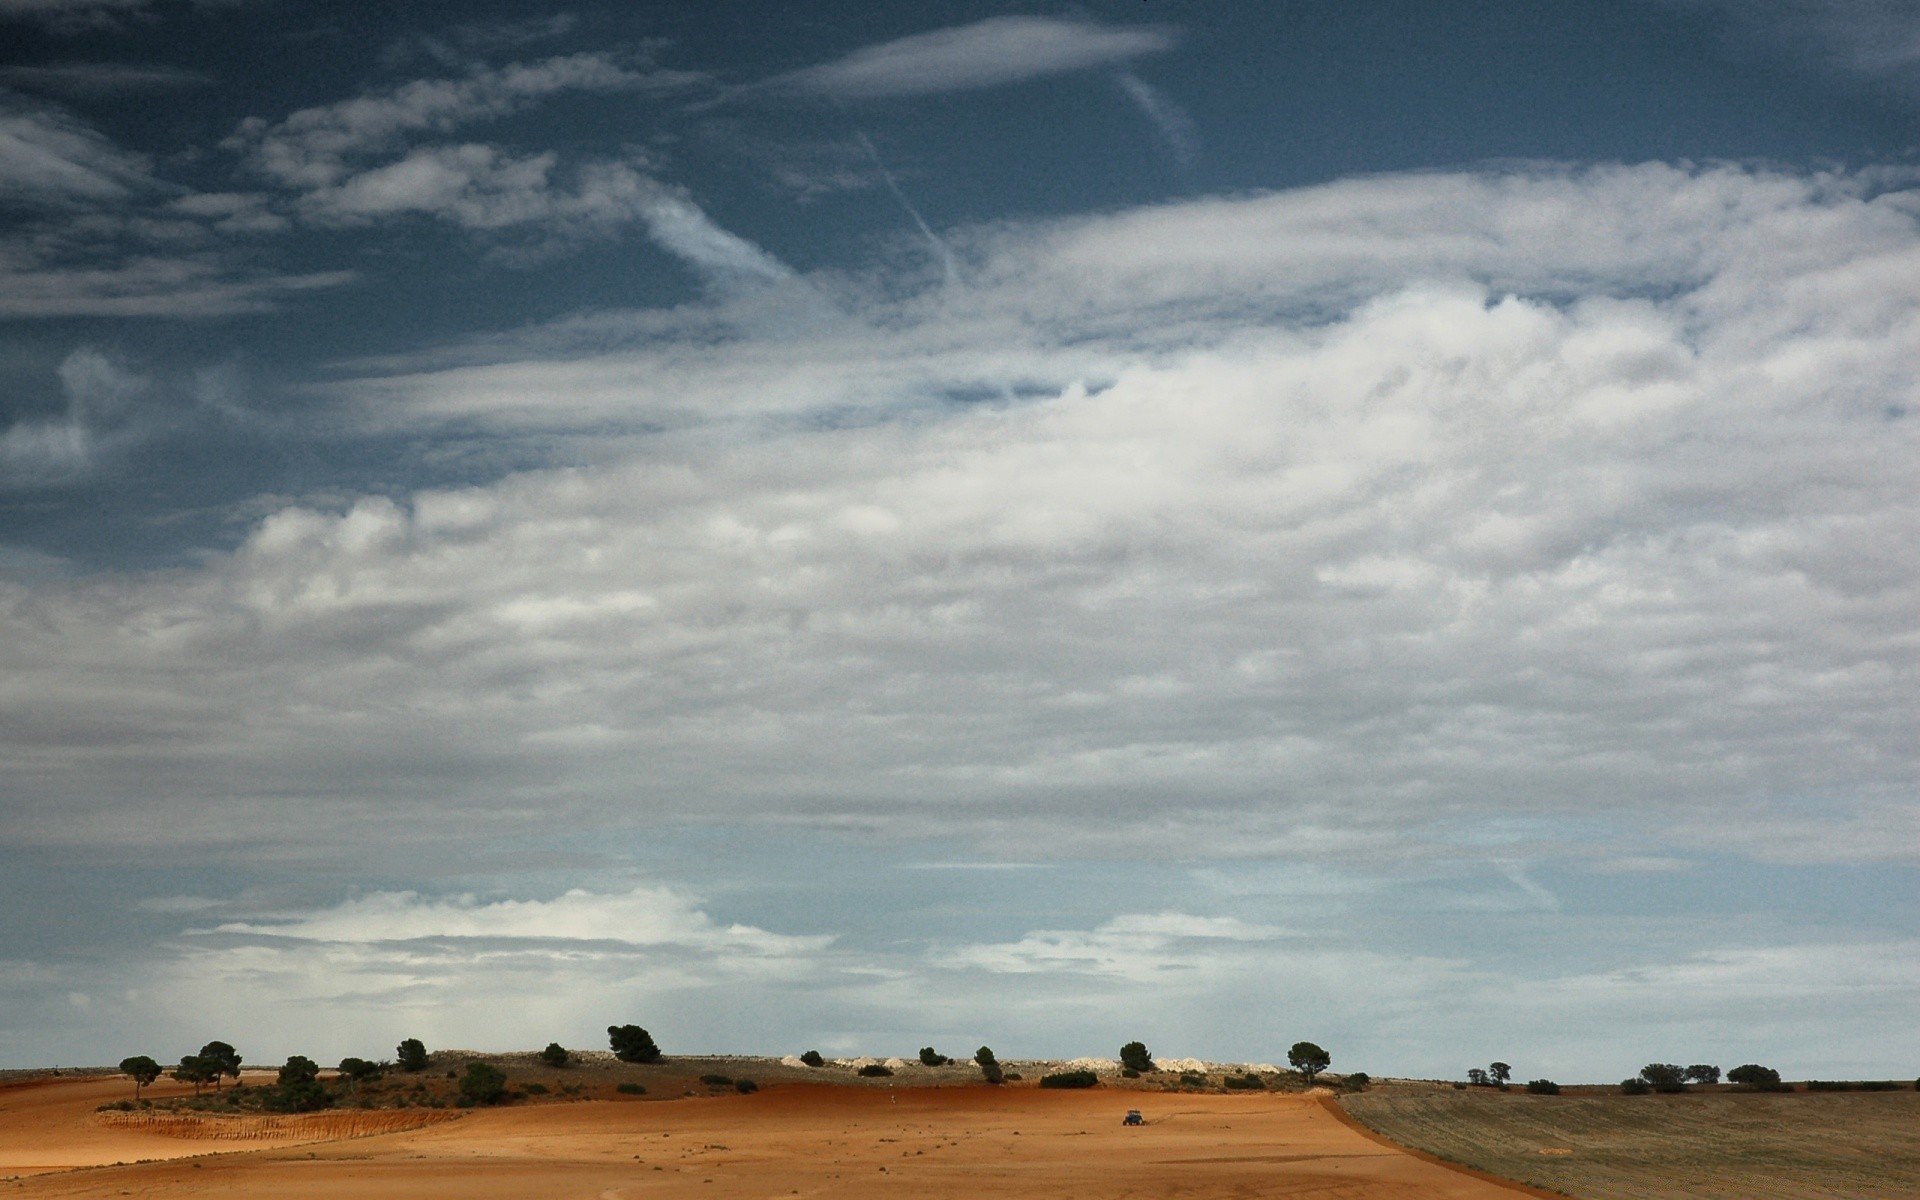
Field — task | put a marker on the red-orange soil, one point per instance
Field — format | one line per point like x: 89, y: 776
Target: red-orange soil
x: 787, y: 1140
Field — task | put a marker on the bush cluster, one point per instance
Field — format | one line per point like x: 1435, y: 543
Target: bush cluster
x: 1069, y: 1079
x: 812, y: 1058
x: 630, y: 1089
x: 1543, y: 1087
x: 1244, y: 1083
x: 876, y: 1070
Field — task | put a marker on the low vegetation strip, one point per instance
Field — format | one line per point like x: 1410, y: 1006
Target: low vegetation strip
x: 1717, y: 1147
x: 307, y: 1127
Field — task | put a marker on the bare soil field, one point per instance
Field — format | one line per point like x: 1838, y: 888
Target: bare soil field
x: 1725, y: 1146
x: 788, y: 1139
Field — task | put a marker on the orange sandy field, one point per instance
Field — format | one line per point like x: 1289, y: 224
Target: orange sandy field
x: 787, y: 1140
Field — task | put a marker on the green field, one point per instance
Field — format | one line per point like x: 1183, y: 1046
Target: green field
x: 1725, y: 1146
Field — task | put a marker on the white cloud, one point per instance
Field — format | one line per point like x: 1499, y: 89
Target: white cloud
x: 680, y: 227
x: 99, y: 394
x: 48, y: 157
x: 1138, y: 946
x: 1169, y: 120
x: 464, y: 972
x: 322, y: 147
x: 645, y: 916
x: 990, y: 53
x: 1514, y: 510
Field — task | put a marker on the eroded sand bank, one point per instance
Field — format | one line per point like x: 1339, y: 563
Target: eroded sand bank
x: 793, y: 1140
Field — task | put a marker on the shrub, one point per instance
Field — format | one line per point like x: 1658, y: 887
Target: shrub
x: 1014, y: 1077
x: 1829, y: 1085
x: 1543, y: 1087
x: 812, y: 1058
x: 1877, y: 1085
x: 411, y: 1055
x: 1134, y: 1054
x: 632, y: 1044
x: 717, y: 1080
x: 1069, y: 1079
x: 876, y: 1070
x: 1359, y: 1080
x: 483, y: 1083
x: 629, y: 1089
x: 1244, y: 1083
x: 1635, y: 1087
x: 1459, y: 1087
x: 1129, y: 1073
x: 930, y: 1057
x: 534, y: 1089
x: 746, y: 1087
x: 555, y: 1055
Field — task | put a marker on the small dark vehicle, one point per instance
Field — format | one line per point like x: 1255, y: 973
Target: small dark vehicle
x: 1134, y: 1118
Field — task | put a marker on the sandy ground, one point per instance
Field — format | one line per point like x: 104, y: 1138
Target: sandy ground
x: 790, y: 1140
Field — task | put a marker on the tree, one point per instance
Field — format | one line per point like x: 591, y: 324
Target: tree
x: 1477, y: 1077
x: 1134, y: 1057
x: 358, y: 1070
x: 1500, y: 1073
x: 933, y: 1058
x: 1309, y: 1060
x: 197, y: 1071
x: 223, y: 1060
x: 1754, y: 1075
x: 141, y: 1069
x: 989, y: 1066
x: 632, y: 1044
x: 411, y: 1055
x: 555, y: 1055
x: 298, y: 1088
x: 483, y: 1083
x: 1703, y: 1073
x: 1634, y: 1087
x: 1665, y: 1077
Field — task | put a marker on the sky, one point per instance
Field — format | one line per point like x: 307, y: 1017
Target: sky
x: 856, y: 526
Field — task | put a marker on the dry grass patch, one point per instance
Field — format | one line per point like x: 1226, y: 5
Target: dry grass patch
x: 1729, y: 1146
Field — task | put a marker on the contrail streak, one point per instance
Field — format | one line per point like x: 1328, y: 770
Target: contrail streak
x: 947, y: 262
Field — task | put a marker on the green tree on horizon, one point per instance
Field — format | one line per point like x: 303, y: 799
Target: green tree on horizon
x: 223, y: 1060
x: 142, y: 1069
x: 411, y: 1055
x: 632, y: 1044
x: 1309, y: 1060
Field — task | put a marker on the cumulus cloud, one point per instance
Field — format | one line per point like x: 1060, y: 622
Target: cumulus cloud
x: 1547, y: 513
x: 990, y: 53
x: 463, y: 971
